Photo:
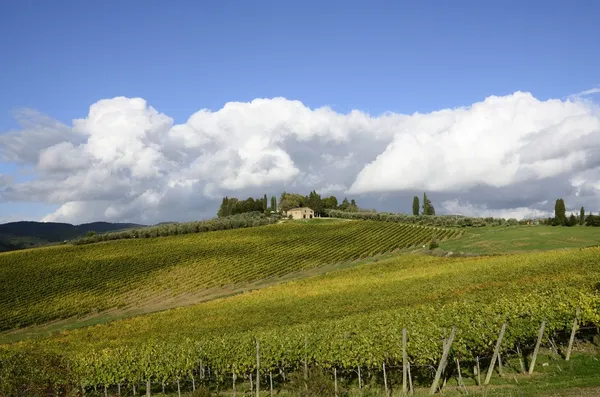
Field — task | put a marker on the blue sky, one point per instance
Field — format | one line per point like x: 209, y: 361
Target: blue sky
x: 61, y: 57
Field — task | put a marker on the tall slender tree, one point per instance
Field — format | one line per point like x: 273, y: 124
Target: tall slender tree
x: 273, y: 203
x: 560, y: 212
x: 265, y: 203
x: 416, y: 206
x: 581, y: 216
x: 427, y: 206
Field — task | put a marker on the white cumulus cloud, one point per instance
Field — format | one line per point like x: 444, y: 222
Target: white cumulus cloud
x: 126, y: 161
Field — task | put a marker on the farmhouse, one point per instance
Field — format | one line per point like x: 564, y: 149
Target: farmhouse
x: 300, y: 213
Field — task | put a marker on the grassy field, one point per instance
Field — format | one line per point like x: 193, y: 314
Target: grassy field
x: 145, y: 275
x: 353, y: 312
x: 503, y: 240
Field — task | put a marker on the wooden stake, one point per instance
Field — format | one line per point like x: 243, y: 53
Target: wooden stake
x: 234, y: 376
x: 105, y: 391
x: 521, y: 360
x: 257, y: 368
x: 148, y: 391
x: 271, y: 382
x: 410, y: 384
x: 359, y: 379
x: 134, y: 390
x: 500, y: 371
x: 251, y: 384
x: 572, y: 338
x: 495, y: 355
x: 119, y: 390
x: 385, y: 379
x: 178, y: 388
x: 305, y: 358
x: 193, y: 383
x: 537, y: 347
x: 460, y: 379
x: 478, y: 372
x: 404, y: 362
x: 443, y: 361
x: 335, y: 381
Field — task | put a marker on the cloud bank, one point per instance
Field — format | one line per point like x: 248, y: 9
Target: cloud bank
x: 126, y: 161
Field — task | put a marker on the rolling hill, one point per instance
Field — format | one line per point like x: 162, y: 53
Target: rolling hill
x: 20, y: 235
x: 53, y: 283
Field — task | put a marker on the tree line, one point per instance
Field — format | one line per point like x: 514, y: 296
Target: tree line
x: 561, y: 219
x: 287, y: 201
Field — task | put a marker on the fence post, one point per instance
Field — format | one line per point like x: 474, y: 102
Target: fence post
x: 257, y: 368
x: 443, y: 360
x: 573, y: 331
x: 404, y: 362
x: 495, y: 356
x: 537, y: 347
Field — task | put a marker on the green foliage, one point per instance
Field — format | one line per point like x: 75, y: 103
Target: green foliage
x: 428, y: 208
x: 352, y: 318
x: 582, y: 216
x: 318, y: 384
x: 249, y: 219
x: 273, y: 204
x: 592, y: 220
x: 560, y: 218
x: 53, y: 283
x: 233, y: 206
x: 415, y: 206
x: 433, y: 243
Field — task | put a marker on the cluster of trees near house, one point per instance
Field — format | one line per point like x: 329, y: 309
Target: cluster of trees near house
x: 232, y: 206
x: 560, y: 217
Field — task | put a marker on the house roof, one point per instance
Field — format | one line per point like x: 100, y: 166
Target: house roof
x: 299, y: 209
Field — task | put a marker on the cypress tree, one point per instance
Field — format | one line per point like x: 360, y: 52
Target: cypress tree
x: 425, y: 201
x: 416, y: 206
x: 273, y: 203
x: 581, y: 216
x: 265, y: 203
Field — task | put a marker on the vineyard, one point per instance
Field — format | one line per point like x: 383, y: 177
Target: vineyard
x: 54, y: 283
x: 349, y: 322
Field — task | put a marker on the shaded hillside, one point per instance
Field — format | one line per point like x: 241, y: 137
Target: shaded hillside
x: 26, y: 234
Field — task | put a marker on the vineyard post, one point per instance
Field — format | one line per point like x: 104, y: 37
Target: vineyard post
x: 521, y: 359
x: 335, y: 385
x: 573, y: 331
x: 134, y: 393
x: 193, y: 382
x: 359, y: 379
x: 385, y: 380
x: 105, y: 391
x: 251, y: 384
x: 410, y: 384
x: 233, y: 376
x: 178, y: 388
x: 119, y: 390
x: 305, y: 357
x: 495, y: 355
x: 148, y: 388
x: 443, y: 361
x: 460, y: 379
x: 404, y: 362
x: 257, y: 368
x: 537, y: 347
x: 500, y: 370
x: 271, y: 382
x: 478, y: 372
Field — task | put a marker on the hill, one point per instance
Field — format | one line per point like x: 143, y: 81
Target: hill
x: 144, y: 275
x: 349, y: 319
x: 25, y: 234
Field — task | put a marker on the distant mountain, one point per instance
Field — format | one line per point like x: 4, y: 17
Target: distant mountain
x: 20, y: 235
